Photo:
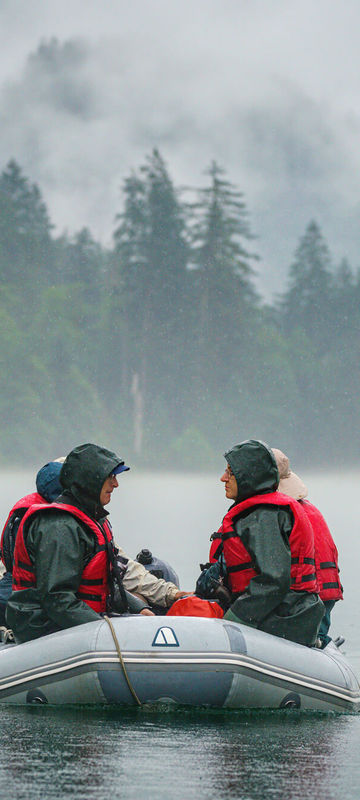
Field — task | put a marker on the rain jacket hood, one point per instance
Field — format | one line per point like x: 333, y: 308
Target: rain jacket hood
x: 48, y: 481
x: 83, y: 474
x: 254, y: 466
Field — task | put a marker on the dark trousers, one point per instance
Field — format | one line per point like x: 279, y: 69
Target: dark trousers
x: 325, y: 622
x: 5, y: 592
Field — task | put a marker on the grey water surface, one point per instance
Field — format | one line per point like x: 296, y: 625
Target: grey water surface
x: 104, y: 753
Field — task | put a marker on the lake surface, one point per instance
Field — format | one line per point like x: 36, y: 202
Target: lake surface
x: 84, y: 753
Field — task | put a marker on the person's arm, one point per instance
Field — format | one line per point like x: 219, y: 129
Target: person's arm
x: 155, y: 590
x: 58, y: 547
x: 264, y: 533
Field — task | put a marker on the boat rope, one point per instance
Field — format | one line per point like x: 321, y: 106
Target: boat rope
x: 6, y: 635
x: 132, y: 690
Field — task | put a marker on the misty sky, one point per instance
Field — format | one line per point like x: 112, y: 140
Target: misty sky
x: 268, y: 88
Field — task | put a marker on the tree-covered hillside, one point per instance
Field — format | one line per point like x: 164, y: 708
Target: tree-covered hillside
x: 160, y: 345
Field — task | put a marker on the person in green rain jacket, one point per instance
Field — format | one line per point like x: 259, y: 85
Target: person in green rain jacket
x: 258, y: 561
x: 57, y: 546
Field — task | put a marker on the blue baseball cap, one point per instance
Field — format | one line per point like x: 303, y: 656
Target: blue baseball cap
x: 120, y: 468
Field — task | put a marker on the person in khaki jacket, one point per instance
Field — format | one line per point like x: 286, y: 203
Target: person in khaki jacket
x: 156, y: 591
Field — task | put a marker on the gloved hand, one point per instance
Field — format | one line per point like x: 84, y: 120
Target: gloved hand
x: 208, y: 581
x: 209, y: 584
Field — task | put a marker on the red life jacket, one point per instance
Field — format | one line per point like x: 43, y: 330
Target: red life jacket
x: 94, y: 585
x: 239, y: 565
x: 7, y: 542
x: 193, y: 606
x: 326, y: 555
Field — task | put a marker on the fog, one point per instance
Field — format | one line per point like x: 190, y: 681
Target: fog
x: 268, y: 88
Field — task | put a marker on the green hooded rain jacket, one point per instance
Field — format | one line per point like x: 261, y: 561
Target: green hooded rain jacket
x: 60, y: 546
x: 268, y: 602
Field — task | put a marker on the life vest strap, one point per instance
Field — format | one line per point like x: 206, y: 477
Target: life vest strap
x: 84, y: 596
x: 218, y: 551
x: 229, y: 535
x: 26, y: 567
x: 240, y: 567
x: 307, y: 578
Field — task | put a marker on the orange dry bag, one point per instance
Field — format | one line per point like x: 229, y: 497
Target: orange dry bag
x: 194, y: 606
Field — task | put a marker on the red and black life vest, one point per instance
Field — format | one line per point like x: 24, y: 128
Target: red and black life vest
x: 326, y: 555
x: 9, y: 532
x: 239, y: 565
x: 94, y: 585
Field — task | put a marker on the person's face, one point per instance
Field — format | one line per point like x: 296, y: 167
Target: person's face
x: 108, y: 487
x: 231, y: 488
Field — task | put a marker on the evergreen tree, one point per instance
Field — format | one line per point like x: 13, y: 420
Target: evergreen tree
x: 224, y: 272
x: 150, y: 261
x: 130, y: 262
x: 81, y: 267
x: 309, y: 316
x: 166, y: 243
x: 129, y: 289
x: 344, y: 276
x: 345, y: 300
x: 60, y: 343
x: 341, y: 374
x: 150, y: 241
x: 218, y: 236
x: 224, y: 293
x: 26, y: 250
x: 306, y: 304
x: 167, y: 285
x: 86, y: 259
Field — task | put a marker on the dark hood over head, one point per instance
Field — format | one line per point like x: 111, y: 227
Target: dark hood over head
x: 84, y: 471
x: 254, y: 466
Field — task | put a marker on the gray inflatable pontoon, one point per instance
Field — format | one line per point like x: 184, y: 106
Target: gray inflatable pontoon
x: 184, y: 660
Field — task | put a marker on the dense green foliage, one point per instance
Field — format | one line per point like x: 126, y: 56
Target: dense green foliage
x: 160, y: 346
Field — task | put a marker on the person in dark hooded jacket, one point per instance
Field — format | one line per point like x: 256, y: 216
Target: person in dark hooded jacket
x: 48, y: 488
x: 267, y: 550
x: 55, y: 548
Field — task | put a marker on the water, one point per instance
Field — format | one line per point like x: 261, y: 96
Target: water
x: 87, y: 753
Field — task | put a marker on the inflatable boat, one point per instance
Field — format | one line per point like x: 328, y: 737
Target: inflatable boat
x: 140, y: 660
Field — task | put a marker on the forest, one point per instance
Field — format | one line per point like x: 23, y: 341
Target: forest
x: 160, y: 346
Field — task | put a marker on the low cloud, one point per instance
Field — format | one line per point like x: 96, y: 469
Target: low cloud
x: 82, y: 113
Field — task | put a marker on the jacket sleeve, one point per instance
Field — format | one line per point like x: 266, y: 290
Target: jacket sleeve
x: 140, y: 580
x: 265, y: 534
x: 59, y: 547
